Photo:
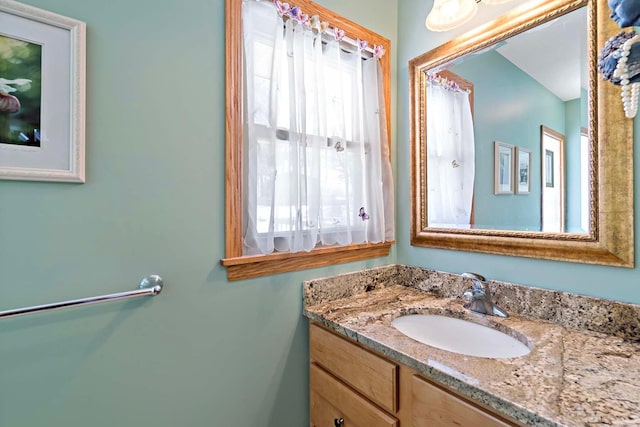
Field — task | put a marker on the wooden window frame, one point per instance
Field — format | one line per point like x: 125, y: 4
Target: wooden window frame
x: 245, y: 267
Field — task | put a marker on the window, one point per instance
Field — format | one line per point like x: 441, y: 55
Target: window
x: 308, y: 172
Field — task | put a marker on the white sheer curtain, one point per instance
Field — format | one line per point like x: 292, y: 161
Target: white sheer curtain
x: 316, y: 151
x: 450, y: 157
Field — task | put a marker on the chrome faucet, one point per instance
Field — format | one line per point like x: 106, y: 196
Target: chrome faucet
x: 478, y: 298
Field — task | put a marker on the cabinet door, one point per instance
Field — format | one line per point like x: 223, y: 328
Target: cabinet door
x: 332, y: 400
x: 368, y: 373
x: 434, y: 406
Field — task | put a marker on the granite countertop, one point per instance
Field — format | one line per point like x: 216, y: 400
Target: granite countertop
x: 584, y: 369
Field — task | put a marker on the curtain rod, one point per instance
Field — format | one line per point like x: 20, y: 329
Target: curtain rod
x: 448, y: 84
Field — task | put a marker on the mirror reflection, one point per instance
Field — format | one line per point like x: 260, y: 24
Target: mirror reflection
x: 507, y: 133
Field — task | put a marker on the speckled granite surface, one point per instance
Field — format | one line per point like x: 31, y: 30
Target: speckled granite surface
x: 584, y: 369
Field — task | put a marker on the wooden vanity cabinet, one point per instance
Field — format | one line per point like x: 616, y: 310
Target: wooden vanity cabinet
x: 433, y: 405
x: 350, y: 382
x: 351, y: 386
x: 335, y: 404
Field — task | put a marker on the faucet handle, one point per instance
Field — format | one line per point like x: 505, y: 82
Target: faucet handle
x: 477, y: 280
x: 474, y: 277
x: 479, y: 296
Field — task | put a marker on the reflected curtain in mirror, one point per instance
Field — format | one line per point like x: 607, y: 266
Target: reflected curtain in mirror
x: 451, y: 151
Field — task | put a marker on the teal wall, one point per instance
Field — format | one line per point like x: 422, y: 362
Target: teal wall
x: 206, y: 352
x: 509, y: 106
x: 607, y: 282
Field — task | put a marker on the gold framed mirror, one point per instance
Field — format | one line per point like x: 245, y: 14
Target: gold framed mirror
x: 606, y: 233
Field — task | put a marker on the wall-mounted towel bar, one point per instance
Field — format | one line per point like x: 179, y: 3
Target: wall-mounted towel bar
x: 149, y: 286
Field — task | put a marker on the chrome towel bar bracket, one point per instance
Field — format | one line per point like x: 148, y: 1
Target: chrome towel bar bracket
x: 149, y: 286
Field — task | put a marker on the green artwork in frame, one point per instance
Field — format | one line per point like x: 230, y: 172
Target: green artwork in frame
x: 20, y: 91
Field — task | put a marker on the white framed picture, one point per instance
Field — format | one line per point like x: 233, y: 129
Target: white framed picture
x: 42, y: 95
x: 503, y: 168
x: 523, y: 171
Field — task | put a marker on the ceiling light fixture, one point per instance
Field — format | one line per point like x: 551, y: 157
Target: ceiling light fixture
x: 449, y: 14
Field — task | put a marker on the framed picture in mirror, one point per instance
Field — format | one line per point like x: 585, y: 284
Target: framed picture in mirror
x: 523, y: 171
x: 503, y: 168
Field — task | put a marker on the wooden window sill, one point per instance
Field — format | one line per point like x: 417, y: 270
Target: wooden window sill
x: 246, y: 267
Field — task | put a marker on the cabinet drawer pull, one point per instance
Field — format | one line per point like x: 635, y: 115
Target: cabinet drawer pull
x: 338, y: 422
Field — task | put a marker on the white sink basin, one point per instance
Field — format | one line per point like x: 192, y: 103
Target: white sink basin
x: 460, y: 336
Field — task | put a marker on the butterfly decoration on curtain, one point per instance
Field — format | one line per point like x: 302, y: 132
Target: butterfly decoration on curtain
x: 364, y: 215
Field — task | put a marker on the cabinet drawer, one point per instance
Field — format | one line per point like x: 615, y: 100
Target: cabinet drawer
x: 434, y: 406
x: 332, y: 400
x: 371, y: 375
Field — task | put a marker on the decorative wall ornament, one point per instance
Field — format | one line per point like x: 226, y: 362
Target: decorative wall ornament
x: 619, y: 59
